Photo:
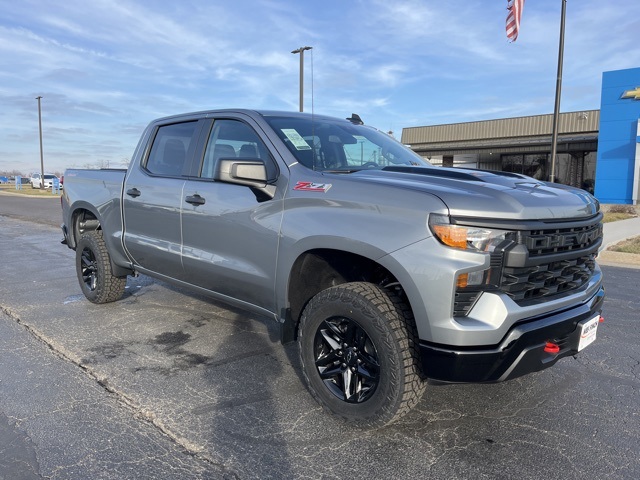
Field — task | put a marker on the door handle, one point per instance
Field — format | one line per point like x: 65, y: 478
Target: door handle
x: 133, y: 192
x: 195, y: 200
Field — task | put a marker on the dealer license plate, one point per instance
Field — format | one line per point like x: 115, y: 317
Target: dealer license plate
x: 588, y: 332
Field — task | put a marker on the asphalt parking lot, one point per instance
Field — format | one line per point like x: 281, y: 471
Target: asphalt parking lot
x: 164, y: 384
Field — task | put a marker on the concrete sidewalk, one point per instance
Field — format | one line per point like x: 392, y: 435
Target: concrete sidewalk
x: 615, y: 232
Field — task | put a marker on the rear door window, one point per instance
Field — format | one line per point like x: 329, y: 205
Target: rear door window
x: 171, y: 149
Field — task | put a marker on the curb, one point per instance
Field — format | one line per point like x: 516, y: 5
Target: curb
x: 46, y: 197
x: 618, y: 259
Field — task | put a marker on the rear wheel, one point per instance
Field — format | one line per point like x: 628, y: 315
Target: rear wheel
x: 93, y: 267
x: 358, y: 347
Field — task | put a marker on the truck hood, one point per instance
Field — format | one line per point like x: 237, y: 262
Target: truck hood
x: 486, y: 194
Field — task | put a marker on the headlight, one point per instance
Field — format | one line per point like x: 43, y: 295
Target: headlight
x: 465, y: 237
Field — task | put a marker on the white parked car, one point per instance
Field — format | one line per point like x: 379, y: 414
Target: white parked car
x: 48, y: 180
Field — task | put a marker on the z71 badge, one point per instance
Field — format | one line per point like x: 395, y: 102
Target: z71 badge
x: 312, y: 187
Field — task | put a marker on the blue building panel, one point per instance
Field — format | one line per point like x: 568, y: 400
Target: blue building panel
x: 618, y: 164
x: 619, y: 195
x: 618, y: 131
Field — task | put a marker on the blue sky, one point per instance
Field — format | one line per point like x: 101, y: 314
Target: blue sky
x: 105, y: 68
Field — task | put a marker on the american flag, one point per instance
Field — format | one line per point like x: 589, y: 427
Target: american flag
x: 515, y: 8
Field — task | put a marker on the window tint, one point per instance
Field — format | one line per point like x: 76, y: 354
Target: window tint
x: 233, y: 139
x: 168, y: 154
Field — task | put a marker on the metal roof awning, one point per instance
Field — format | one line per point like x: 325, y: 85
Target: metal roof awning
x: 578, y: 131
x: 566, y: 143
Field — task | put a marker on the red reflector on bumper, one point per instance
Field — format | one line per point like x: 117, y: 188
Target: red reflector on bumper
x: 552, y: 348
x: 601, y: 319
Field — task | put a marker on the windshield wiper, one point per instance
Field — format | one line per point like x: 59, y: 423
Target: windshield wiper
x: 344, y: 170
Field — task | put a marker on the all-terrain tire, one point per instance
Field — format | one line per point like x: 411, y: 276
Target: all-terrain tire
x: 359, y: 350
x: 93, y: 267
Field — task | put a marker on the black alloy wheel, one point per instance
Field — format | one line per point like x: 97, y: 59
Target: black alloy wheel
x: 89, y: 269
x: 346, y: 359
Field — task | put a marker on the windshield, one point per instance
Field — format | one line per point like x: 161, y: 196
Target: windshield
x: 334, y: 145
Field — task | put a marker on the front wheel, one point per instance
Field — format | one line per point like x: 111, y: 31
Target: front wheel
x: 93, y: 267
x: 358, y: 347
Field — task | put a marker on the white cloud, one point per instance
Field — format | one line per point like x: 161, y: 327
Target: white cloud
x: 105, y: 68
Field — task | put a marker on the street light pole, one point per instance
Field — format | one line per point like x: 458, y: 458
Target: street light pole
x: 41, y: 155
x: 301, y: 52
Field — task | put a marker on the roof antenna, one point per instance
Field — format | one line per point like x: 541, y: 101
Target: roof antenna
x: 355, y: 119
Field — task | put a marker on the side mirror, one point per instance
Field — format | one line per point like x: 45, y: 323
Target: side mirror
x: 251, y: 172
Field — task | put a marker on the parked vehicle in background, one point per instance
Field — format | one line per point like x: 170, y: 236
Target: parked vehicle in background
x: 4, y: 179
x: 48, y: 180
x: 387, y: 270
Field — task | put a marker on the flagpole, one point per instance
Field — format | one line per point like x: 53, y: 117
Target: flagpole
x: 556, y: 110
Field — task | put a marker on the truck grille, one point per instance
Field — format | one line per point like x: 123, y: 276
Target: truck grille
x: 545, y: 242
x: 547, y: 279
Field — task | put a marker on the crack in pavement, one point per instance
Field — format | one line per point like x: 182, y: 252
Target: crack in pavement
x: 123, y: 399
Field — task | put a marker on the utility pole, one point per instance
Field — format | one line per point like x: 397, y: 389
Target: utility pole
x: 41, y: 155
x: 301, y: 52
x: 556, y: 111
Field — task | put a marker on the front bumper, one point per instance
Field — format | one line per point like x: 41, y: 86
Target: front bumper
x: 521, y: 351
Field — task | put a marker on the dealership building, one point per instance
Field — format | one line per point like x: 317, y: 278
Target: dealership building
x: 598, y: 150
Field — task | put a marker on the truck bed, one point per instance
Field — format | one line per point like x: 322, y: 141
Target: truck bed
x: 103, y: 190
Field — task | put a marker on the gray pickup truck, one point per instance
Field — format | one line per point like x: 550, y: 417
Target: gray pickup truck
x: 389, y: 272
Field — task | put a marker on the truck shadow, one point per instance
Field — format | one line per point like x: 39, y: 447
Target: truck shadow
x: 238, y: 383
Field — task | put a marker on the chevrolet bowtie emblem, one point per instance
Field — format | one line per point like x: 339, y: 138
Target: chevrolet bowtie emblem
x: 635, y: 93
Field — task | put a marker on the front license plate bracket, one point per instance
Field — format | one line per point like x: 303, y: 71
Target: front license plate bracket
x: 588, y: 330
